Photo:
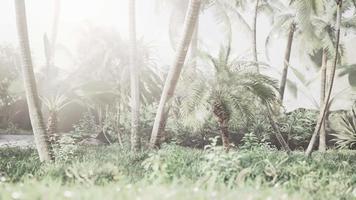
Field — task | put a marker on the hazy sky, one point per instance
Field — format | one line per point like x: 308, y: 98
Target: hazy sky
x: 152, y: 25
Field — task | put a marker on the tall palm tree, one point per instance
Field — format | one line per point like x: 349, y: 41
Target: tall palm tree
x: 174, y: 73
x: 50, y: 43
x: 325, y: 105
x: 293, y: 19
x: 33, y: 102
x: 238, y: 7
x: 134, y: 76
x: 177, y: 21
x: 324, y: 20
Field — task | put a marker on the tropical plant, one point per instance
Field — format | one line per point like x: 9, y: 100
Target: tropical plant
x: 292, y: 18
x: 54, y: 105
x: 33, y: 102
x: 9, y: 79
x: 345, y: 137
x: 324, y: 21
x: 173, y: 76
x: 325, y: 106
x: 230, y: 95
x: 238, y: 8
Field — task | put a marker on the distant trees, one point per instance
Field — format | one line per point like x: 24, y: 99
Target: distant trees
x: 174, y: 73
x: 39, y: 131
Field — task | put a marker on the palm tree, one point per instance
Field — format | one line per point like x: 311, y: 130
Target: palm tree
x: 177, y: 21
x: 173, y: 76
x: 54, y: 105
x: 324, y: 21
x: 41, y: 138
x: 230, y: 94
x: 294, y: 19
x: 325, y: 105
x: 134, y: 74
x: 237, y: 7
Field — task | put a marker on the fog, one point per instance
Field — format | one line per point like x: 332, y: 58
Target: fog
x: 152, y: 27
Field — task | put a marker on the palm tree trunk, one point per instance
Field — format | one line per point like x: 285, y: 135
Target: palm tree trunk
x: 50, y: 44
x: 52, y: 127
x: 134, y: 76
x: 194, y: 47
x: 173, y: 76
x: 224, y: 134
x: 276, y: 130
x: 254, y: 37
x: 286, y: 61
x: 322, y: 138
x: 325, y: 105
x: 41, y: 139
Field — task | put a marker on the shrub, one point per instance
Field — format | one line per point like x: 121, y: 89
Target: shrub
x: 345, y: 136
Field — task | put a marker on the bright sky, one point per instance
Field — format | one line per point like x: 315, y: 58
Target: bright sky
x: 152, y: 25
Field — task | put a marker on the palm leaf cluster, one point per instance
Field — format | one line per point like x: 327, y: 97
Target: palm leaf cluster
x: 346, y: 133
x: 229, y: 93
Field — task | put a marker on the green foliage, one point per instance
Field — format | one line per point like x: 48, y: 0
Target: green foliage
x: 298, y: 126
x: 232, y: 93
x: 172, y: 163
x: 325, y: 176
x: 251, y: 141
x: 85, y: 127
x: 345, y: 137
x: 17, y: 164
x: 65, y: 149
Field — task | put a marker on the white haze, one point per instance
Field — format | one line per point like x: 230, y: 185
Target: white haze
x: 152, y: 25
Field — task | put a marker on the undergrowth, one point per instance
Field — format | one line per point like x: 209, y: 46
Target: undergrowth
x: 325, y: 176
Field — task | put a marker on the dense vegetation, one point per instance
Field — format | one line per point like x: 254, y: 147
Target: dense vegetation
x: 178, y: 173
x: 109, y: 120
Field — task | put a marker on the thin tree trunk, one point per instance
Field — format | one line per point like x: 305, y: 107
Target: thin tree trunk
x: 224, y: 134
x: 322, y: 138
x: 50, y: 44
x: 173, y: 76
x: 57, y: 9
x: 325, y: 106
x: 286, y: 61
x: 33, y: 102
x: 134, y: 73
x: 254, y: 38
x: 194, y: 47
x: 118, y: 121
x: 276, y: 130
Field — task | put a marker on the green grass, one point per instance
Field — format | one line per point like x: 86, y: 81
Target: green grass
x: 178, y: 173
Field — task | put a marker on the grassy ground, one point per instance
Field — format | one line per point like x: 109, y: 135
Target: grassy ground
x: 177, y: 173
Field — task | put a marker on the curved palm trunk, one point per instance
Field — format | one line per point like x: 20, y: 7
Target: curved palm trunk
x: 174, y: 73
x: 286, y: 61
x: 254, y: 38
x: 134, y: 76
x: 325, y: 105
x: 322, y: 138
x: 41, y: 139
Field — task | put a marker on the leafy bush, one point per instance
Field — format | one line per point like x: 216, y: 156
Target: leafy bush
x: 345, y: 136
x: 85, y: 127
x: 172, y: 162
x: 325, y: 176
